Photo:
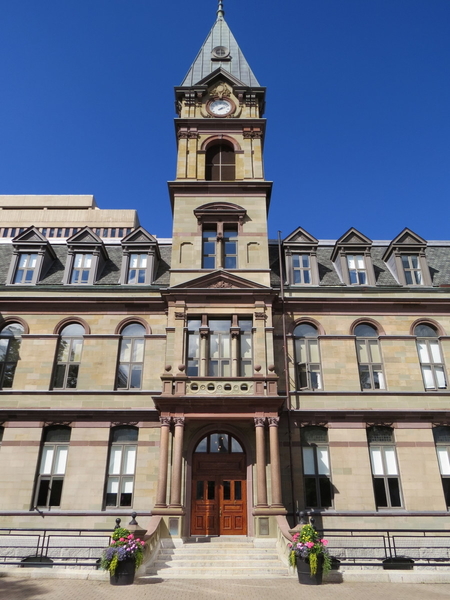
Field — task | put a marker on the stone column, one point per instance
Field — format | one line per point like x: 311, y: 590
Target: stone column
x: 163, y: 463
x: 175, y: 488
x: 261, y: 484
x: 275, y: 471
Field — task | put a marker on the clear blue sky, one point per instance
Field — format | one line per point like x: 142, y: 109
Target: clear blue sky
x: 358, y: 105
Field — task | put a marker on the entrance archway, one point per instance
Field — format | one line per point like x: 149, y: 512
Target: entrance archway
x: 219, y: 493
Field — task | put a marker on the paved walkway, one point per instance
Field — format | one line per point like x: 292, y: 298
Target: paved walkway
x: 15, y: 588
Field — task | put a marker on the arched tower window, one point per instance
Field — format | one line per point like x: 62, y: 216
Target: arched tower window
x: 220, y: 162
x: 370, y: 365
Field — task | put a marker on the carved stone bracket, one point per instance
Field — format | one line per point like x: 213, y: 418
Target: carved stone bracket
x: 261, y: 316
x: 179, y: 315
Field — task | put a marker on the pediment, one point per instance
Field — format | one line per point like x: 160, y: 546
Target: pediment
x: 139, y: 236
x: 218, y: 74
x: 351, y: 238
x: 405, y: 239
x: 219, y: 280
x: 30, y: 235
x: 219, y: 207
x: 300, y: 236
x: 85, y: 236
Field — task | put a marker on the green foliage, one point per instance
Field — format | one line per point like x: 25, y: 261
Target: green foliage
x: 308, y: 545
x: 122, y: 547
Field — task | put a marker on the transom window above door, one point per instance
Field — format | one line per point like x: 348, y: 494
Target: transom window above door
x: 222, y: 443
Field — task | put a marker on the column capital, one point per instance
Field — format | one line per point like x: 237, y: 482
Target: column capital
x: 273, y: 421
x: 179, y: 421
x: 165, y: 421
x: 259, y: 421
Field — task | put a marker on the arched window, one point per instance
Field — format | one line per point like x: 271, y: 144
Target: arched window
x: 52, y: 467
x: 430, y: 356
x: 10, y: 339
x: 383, y: 458
x: 131, y: 357
x: 307, y: 357
x: 68, y: 356
x: 220, y: 162
x: 121, y: 468
x: 371, y: 374
x: 316, y: 467
x: 222, y: 443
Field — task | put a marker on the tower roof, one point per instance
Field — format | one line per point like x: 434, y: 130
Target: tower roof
x: 220, y: 50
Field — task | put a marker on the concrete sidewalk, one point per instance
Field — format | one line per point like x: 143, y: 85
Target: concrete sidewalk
x: 17, y: 588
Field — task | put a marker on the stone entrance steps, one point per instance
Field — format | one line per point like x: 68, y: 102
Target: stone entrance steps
x: 212, y: 557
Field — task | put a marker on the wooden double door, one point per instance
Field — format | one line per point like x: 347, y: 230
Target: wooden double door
x: 219, y: 495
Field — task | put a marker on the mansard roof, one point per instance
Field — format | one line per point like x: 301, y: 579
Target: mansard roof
x: 233, y: 62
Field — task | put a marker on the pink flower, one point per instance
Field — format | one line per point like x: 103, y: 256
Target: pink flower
x: 131, y: 536
x: 142, y: 543
x: 121, y: 539
x: 324, y: 542
x: 112, y: 542
x: 309, y: 544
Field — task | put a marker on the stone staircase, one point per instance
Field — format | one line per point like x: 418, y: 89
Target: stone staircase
x: 214, y: 557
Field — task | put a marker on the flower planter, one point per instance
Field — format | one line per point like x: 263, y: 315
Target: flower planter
x: 124, y: 574
x: 304, y: 572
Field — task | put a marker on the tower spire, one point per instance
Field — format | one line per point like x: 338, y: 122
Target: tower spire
x: 220, y: 11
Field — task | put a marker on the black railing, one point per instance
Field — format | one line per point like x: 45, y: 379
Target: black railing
x: 48, y: 547
x: 367, y: 547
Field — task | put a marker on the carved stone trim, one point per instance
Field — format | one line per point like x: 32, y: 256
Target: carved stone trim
x: 260, y: 315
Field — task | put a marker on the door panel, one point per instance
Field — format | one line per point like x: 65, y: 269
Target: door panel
x: 219, y: 495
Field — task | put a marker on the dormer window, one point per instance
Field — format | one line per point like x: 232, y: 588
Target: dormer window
x: 406, y: 259
x: 352, y: 259
x: 140, y: 258
x: 32, y: 257
x: 300, y: 250
x: 86, y: 258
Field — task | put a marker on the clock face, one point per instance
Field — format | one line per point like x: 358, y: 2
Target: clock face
x: 220, y: 107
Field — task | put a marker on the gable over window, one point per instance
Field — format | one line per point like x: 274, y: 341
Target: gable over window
x: 352, y: 259
x: 86, y: 258
x: 32, y: 257
x: 300, y: 251
x: 406, y: 259
x: 140, y: 258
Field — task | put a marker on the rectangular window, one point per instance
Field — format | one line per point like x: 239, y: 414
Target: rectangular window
x: 246, y: 347
x: 137, y: 269
x: 356, y: 269
x: 193, y: 347
x: 121, y: 468
x: 316, y: 467
x: 219, y: 348
x: 26, y: 268
x: 411, y: 268
x: 52, y: 467
x: 441, y: 436
x: 230, y: 244
x: 301, y: 266
x: 209, y: 249
x: 386, y: 478
x: 81, y: 269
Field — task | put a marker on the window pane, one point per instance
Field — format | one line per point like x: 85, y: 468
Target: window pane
x: 444, y: 460
x: 72, y: 376
x: 77, y: 347
x: 316, y: 379
x: 364, y: 377
x: 200, y: 494
x: 129, y: 462
x: 300, y: 350
x: 63, y: 350
x: 47, y: 460
x: 391, y: 462
x: 13, y: 350
x: 227, y: 490
x: 380, y: 493
x: 435, y: 352
x: 440, y: 377
x: 125, y: 434
x: 112, y: 491
x: 3, y: 348
x: 42, y: 494
x: 126, y: 494
x: 211, y: 490
x: 115, y: 460
x: 378, y: 378
x: 302, y: 376
x: 125, y: 350
x: 446, y: 486
x: 314, y: 350
x: 136, y: 377
x: 362, y: 351
x: 55, y: 492
x: 122, y: 376
x: 238, y: 490
x: 202, y: 446
x: 375, y: 351
x: 214, y: 346
x: 308, y: 461
x: 235, y: 446
x: 325, y: 492
x: 311, y: 491
x: 61, y: 460
x: 138, y: 351
x: 8, y: 375
x: 219, y: 442
x: 394, y: 491
x: 377, y: 461
x: 428, y: 378
x: 323, y: 461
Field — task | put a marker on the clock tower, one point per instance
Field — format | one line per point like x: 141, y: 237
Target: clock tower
x: 220, y: 198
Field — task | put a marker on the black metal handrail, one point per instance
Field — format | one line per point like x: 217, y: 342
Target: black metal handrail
x: 52, y: 546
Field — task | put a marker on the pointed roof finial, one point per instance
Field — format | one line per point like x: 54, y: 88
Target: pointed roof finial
x: 220, y: 11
